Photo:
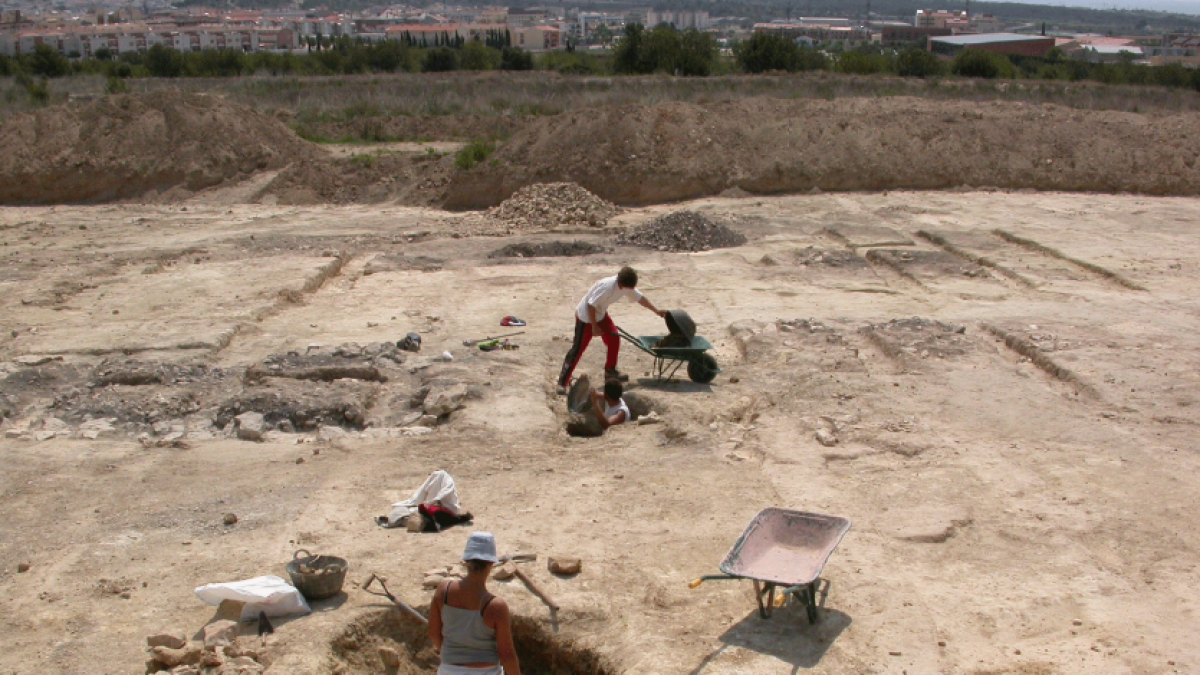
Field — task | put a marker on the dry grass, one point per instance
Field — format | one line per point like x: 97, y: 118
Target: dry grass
x: 343, y: 98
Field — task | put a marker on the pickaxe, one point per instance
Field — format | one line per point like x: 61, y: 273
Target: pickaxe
x: 472, y: 343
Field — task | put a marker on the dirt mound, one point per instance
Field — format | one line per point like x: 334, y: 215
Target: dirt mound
x: 125, y: 146
x: 679, y: 151
x: 544, y: 206
x: 550, y: 249
x: 683, y: 231
x: 415, y: 180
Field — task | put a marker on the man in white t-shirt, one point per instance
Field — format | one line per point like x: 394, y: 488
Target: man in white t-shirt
x: 591, y: 318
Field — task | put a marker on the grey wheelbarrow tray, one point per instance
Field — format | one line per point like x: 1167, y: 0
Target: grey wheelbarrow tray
x: 701, y: 366
x: 783, y: 548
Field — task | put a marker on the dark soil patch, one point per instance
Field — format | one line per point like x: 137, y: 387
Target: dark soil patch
x: 550, y: 249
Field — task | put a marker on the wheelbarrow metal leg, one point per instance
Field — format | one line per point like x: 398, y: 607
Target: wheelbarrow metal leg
x: 766, y: 588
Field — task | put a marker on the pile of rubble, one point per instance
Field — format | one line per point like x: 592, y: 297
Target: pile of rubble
x: 683, y: 231
x: 223, y: 652
x: 544, y: 206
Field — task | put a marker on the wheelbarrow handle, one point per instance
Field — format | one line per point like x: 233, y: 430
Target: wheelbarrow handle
x: 695, y: 583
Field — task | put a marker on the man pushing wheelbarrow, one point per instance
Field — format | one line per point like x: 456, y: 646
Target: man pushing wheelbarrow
x: 592, y: 319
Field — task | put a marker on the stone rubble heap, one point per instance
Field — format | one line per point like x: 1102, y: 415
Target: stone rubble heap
x: 544, y: 206
x: 683, y: 231
x: 223, y: 652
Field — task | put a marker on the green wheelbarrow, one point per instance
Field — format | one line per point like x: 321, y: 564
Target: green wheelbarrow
x: 681, y: 346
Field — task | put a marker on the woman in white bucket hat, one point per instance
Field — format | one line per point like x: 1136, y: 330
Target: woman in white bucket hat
x: 470, y: 627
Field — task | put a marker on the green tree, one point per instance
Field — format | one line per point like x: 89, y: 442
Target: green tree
x: 602, y: 35
x: 6, y: 66
x: 766, y: 51
x: 980, y: 63
x: 660, y: 50
x: 515, y: 58
x: 627, y: 58
x: 477, y: 56
x: 440, y: 60
x: 916, y: 62
x: 103, y: 54
x: 47, y: 62
x: 163, y: 62
x: 697, y: 53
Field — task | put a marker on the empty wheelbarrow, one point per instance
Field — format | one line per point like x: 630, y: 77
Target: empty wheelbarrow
x: 681, y: 345
x: 786, y: 549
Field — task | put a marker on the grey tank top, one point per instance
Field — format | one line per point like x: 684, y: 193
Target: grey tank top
x: 465, y: 637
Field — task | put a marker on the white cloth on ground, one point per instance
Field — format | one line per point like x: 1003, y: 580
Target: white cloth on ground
x: 438, y: 489
x: 447, y: 669
x: 268, y: 594
x: 604, y: 293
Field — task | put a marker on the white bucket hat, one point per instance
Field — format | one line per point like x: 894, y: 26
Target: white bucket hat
x: 481, y: 546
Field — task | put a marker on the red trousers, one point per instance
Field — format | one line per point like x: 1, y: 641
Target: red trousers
x: 583, y: 336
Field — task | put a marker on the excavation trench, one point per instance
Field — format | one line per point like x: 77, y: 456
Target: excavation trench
x: 385, y: 642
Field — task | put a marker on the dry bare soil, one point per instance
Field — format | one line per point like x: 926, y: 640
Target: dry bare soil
x: 1011, y: 380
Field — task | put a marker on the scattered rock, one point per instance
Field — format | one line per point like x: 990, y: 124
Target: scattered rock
x: 651, y: 418
x: 443, y: 401
x: 171, y: 639
x: 432, y: 581
x: 242, y: 665
x: 34, y: 359
x: 188, y: 654
x: 826, y: 438
x: 250, y: 426
x: 220, y: 633
x: 24, y: 567
x: 210, y: 658
x: 230, y: 519
x: 330, y: 433
x: 425, y: 421
x: 505, y: 571
x: 389, y: 656
x: 101, y: 428
x: 244, y: 645
x: 683, y: 231
x: 559, y: 565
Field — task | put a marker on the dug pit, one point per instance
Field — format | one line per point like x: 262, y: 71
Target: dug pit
x: 384, y: 642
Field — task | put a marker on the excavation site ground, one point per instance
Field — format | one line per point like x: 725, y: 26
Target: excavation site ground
x: 998, y: 388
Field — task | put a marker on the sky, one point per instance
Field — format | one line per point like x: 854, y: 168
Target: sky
x: 1180, y: 6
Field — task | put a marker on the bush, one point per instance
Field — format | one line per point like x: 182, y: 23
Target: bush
x: 440, y: 60
x: 163, y: 62
x: 763, y: 52
x: 570, y: 63
x: 474, y: 153
x: 47, y: 62
x: 917, y: 63
x: 115, y: 85
x: 862, y: 63
x: 628, y: 57
x: 515, y: 58
x: 476, y: 56
x: 978, y: 63
x: 6, y: 66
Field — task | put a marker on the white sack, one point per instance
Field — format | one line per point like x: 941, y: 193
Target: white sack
x: 268, y: 594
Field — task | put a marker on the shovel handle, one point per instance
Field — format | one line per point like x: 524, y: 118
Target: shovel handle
x: 695, y: 583
x: 536, y: 591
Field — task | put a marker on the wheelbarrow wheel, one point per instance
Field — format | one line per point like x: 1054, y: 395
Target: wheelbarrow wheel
x: 703, y: 369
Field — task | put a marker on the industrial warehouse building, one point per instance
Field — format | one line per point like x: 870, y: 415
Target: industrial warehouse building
x: 1001, y: 43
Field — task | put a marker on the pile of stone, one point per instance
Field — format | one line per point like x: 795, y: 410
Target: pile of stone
x: 683, y: 231
x: 544, y: 206
x: 223, y: 652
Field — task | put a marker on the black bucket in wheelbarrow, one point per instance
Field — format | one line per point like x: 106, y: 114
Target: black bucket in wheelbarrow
x: 679, y: 323
x: 317, y: 576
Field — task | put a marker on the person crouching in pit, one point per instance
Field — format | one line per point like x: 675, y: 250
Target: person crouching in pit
x: 470, y: 628
x: 610, y: 408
